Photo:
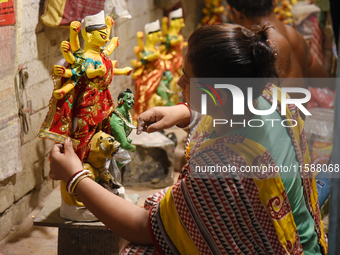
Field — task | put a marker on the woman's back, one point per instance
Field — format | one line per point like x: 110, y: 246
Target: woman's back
x: 276, y: 139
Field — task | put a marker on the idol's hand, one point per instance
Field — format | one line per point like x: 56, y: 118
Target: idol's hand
x: 109, y: 21
x: 140, y: 35
x: 127, y: 70
x: 65, y: 46
x: 59, y: 94
x: 101, y: 70
x: 115, y: 41
x: 75, y: 26
x: 58, y: 70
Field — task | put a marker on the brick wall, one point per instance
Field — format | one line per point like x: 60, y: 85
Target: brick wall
x: 36, y: 46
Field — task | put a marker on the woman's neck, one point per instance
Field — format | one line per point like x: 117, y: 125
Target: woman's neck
x: 270, y: 19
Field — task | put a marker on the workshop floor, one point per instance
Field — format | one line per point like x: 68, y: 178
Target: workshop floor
x: 27, y: 239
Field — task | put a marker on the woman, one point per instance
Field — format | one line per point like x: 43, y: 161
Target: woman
x: 220, y: 213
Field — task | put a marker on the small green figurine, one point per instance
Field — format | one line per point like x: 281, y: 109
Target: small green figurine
x: 121, y: 120
x: 163, y: 95
x: 164, y: 88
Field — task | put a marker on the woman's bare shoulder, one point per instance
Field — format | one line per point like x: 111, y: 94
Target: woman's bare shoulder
x: 284, y: 50
x: 294, y: 37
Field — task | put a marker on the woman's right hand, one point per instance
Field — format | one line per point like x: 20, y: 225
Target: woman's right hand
x: 162, y: 117
x: 64, y: 161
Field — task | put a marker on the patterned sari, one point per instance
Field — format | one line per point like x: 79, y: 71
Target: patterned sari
x: 231, y: 213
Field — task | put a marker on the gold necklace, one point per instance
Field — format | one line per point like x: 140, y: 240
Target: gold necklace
x: 125, y: 120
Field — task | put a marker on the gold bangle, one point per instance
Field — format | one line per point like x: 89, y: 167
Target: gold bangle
x: 69, y: 187
x: 76, y: 183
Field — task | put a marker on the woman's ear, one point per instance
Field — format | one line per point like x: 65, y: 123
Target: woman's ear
x: 274, y: 3
x: 237, y: 16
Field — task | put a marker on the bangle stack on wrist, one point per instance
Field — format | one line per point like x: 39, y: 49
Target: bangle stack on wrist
x: 194, y: 119
x: 75, y: 179
x: 185, y: 126
x: 193, y: 122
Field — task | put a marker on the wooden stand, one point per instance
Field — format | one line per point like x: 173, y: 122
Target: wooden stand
x: 77, y: 238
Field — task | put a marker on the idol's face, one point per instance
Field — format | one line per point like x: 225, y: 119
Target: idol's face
x: 129, y: 100
x: 100, y: 37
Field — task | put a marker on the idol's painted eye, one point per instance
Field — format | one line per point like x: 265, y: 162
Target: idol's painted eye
x: 103, y: 34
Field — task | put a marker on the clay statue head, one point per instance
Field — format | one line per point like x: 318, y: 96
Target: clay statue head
x: 102, y: 146
x: 126, y: 99
x: 94, y: 30
x: 153, y: 32
x: 176, y: 19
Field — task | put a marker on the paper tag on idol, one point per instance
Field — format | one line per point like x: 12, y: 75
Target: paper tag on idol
x: 7, y: 14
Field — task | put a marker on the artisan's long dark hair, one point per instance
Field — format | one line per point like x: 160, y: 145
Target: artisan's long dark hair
x: 231, y: 51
